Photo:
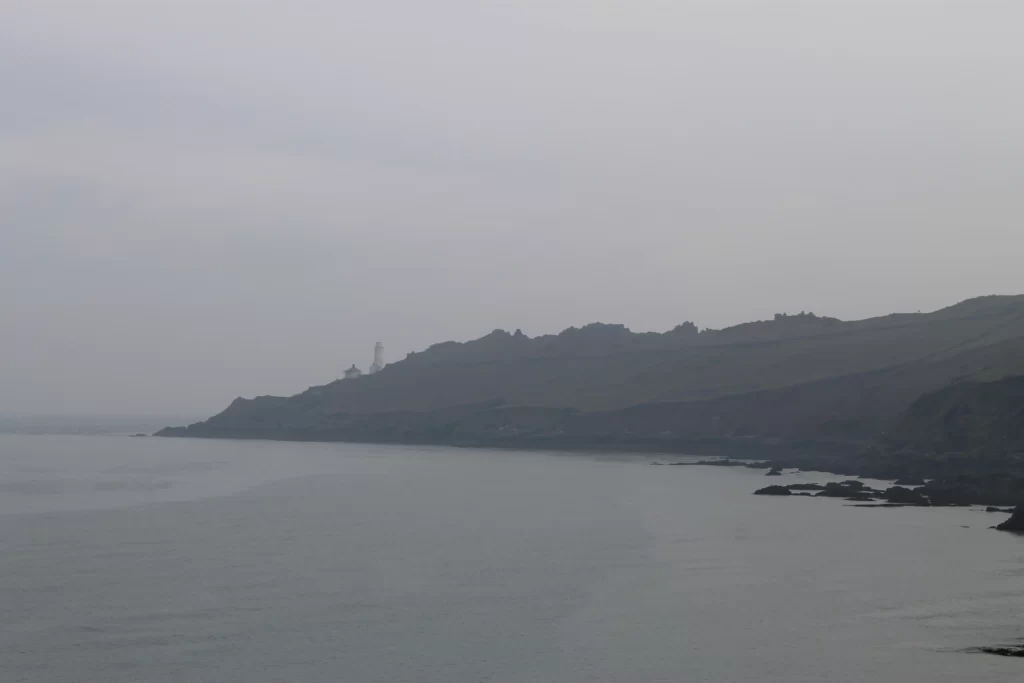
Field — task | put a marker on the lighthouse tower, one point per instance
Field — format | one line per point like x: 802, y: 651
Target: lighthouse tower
x: 378, y: 358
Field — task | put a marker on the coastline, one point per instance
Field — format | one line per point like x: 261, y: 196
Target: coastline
x: 963, y: 479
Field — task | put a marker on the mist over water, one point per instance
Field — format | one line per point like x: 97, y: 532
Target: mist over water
x: 185, y: 560
x: 200, y: 203
x: 118, y: 425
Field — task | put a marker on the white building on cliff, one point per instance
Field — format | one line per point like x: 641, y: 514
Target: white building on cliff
x: 377, y: 365
x: 378, y: 358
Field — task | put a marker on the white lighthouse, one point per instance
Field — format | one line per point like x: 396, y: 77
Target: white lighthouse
x: 378, y: 358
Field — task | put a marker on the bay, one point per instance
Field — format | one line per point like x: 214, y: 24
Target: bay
x: 185, y: 560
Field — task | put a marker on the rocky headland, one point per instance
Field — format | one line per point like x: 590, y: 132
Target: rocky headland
x: 907, y: 398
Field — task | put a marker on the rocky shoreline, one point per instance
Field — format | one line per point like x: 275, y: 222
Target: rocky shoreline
x: 999, y: 492
x: 952, y: 479
x: 1003, y: 650
x: 913, y: 489
x: 894, y: 496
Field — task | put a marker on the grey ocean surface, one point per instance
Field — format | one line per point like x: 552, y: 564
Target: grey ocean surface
x: 222, y: 561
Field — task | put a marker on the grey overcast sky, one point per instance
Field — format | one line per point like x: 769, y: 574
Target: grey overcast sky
x: 201, y: 199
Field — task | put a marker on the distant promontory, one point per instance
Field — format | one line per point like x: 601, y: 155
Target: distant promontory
x: 795, y: 385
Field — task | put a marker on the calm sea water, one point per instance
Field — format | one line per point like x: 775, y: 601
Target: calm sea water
x: 179, y: 560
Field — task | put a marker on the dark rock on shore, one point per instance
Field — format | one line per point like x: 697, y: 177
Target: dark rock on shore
x: 1015, y: 522
x: 773, y: 491
x: 904, y: 496
x: 725, y: 462
x: 850, y: 489
x: 961, y: 491
x: 1005, y: 651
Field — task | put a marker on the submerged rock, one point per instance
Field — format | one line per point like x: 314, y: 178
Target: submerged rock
x: 726, y: 462
x: 773, y: 491
x: 774, y: 472
x: 1007, y: 651
x: 861, y: 497
x: 878, y: 505
x: 848, y: 489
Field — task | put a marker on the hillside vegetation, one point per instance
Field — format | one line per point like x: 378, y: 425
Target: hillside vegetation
x: 796, y: 378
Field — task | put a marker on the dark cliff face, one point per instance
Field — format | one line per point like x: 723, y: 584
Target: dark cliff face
x: 796, y: 379
x: 1014, y: 523
x: 967, y: 416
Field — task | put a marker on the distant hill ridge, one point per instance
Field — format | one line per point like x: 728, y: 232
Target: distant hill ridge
x: 605, y: 339
x: 794, y: 378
